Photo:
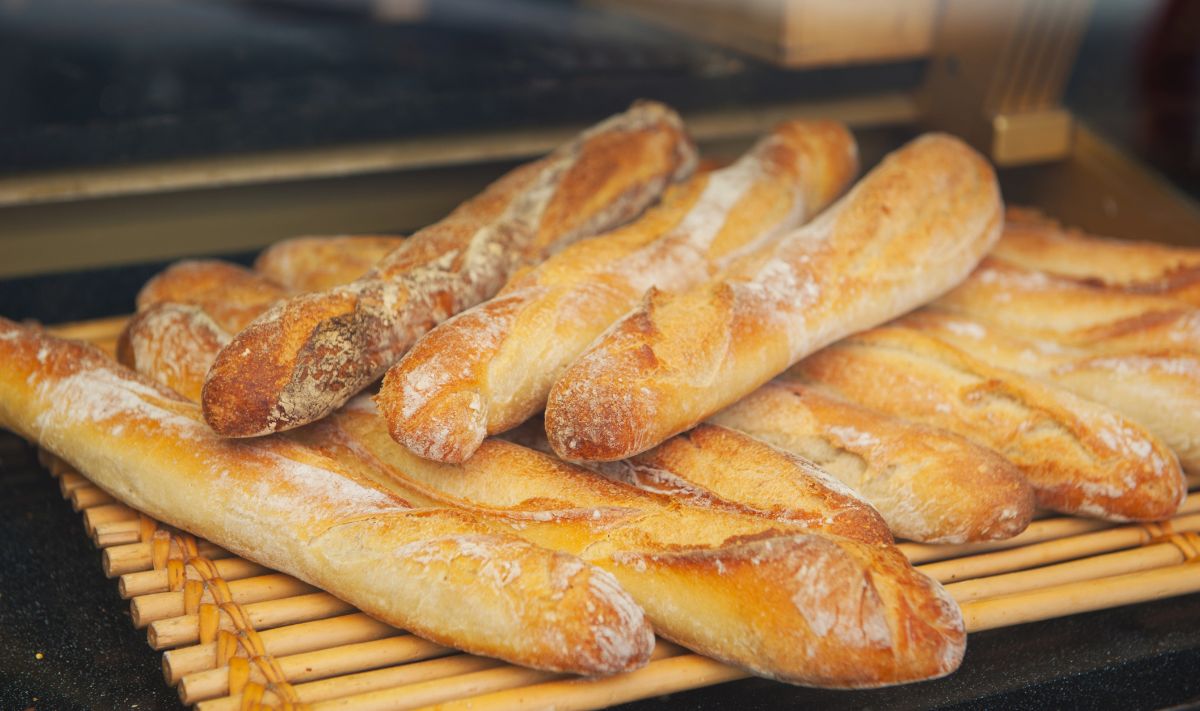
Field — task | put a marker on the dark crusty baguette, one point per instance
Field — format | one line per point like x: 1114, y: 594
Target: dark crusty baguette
x: 1080, y: 457
x: 907, y: 232
x: 490, y: 368
x: 444, y: 574
x: 309, y: 354
x: 930, y: 484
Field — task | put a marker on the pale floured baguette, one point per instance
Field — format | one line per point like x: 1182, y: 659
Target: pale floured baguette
x: 316, y: 263
x: 1080, y: 457
x: 1070, y: 311
x: 307, y: 355
x: 230, y: 294
x: 1158, y: 389
x: 682, y: 557
x: 174, y: 344
x: 1032, y: 241
x: 442, y: 573
x: 930, y: 484
x: 907, y: 232
x: 784, y: 597
x: 490, y: 368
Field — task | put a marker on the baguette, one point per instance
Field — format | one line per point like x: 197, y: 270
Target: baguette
x: 680, y: 556
x: 1068, y: 311
x: 303, y: 264
x: 1034, y: 242
x: 284, y: 506
x: 1080, y: 457
x: 930, y: 484
x: 490, y: 368
x: 230, y: 295
x: 911, y: 229
x: 306, y: 356
x: 1160, y: 389
x: 786, y: 597
x: 174, y: 344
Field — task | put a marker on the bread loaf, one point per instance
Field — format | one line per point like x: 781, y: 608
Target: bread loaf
x: 1032, y: 241
x: 174, y: 344
x: 444, y: 574
x: 1068, y: 311
x: 490, y: 368
x: 911, y: 229
x: 1158, y: 389
x: 653, y: 541
x: 783, y: 596
x: 307, y: 355
x: 1079, y: 456
x: 930, y: 484
x: 231, y: 295
x: 303, y: 264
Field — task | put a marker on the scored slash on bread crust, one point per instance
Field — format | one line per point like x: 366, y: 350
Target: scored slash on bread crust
x: 286, y: 506
x: 1159, y: 389
x: 308, y: 355
x: 908, y: 231
x: 930, y: 484
x: 1080, y: 457
x: 491, y: 368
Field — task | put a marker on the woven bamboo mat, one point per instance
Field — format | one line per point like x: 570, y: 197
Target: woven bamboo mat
x: 238, y: 635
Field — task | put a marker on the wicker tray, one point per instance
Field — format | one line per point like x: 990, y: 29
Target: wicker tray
x: 237, y: 635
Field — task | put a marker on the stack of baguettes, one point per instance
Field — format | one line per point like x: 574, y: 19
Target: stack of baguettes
x: 723, y: 508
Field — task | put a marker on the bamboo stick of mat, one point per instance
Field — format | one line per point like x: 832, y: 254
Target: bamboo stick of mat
x: 184, y: 630
x: 102, y: 329
x: 164, y: 605
x: 330, y: 662
x: 1057, y: 550
x: 146, y: 582
x: 1147, y: 557
x: 134, y: 557
x: 283, y: 641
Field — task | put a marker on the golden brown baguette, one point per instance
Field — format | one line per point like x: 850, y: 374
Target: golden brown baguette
x: 444, y: 574
x: 1158, y: 389
x: 784, y: 597
x: 1079, y: 456
x: 930, y: 484
x: 231, y: 295
x: 309, y: 354
x: 679, y: 556
x: 303, y: 264
x: 1032, y: 241
x: 490, y: 368
x: 1056, y: 308
x: 908, y: 231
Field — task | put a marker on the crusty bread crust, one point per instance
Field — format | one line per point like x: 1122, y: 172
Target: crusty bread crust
x: 1033, y: 241
x: 1159, y: 389
x: 287, y: 507
x: 930, y: 484
x: 308, y: 355
x: 658, y: 543
x: 491, y: 368
x: 174, y: 344
x: 303, y: 264
x: 910, y: 230
x: 1080, y: 457
x: 781, y: 595
x: 231, y: 295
